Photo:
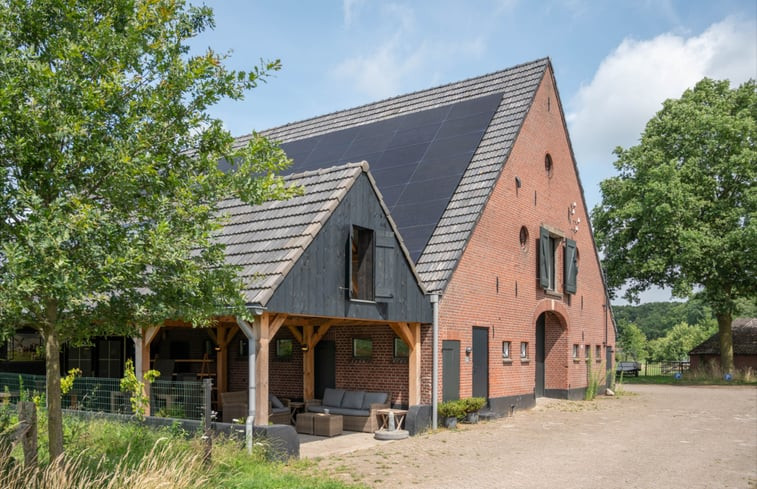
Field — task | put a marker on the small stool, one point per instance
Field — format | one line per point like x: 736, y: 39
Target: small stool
x: 328, y: 424
x: 305, y: 423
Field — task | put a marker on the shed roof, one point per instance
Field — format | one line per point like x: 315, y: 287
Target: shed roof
x: 744, y: 339
x: 435, y: 155
x: 266, y: 240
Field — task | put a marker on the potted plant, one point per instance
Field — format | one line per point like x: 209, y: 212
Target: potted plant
x: 451, y: 412
x: 471, y: 406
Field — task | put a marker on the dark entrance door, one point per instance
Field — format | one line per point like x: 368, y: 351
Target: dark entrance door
x: 450, y: 370
x: 325, y: 367
x: 539, y: 385
x: 480, y: 355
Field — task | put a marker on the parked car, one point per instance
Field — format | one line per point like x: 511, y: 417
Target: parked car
x: 628, y: 368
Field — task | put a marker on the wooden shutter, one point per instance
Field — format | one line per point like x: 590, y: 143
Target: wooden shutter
x: 570, y: 267
x: 385, y: 269
x: 348, y: 249
x: 545, y: 250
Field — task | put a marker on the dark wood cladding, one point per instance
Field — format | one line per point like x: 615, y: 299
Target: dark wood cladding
x: 318, y: 283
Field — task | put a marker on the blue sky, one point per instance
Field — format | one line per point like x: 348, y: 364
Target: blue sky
x: 615, y: 61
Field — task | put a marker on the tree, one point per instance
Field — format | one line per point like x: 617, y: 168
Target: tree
x: 678, y: 342
x: 682, y: 212
x: 632, y: 341
x: 109, y: 178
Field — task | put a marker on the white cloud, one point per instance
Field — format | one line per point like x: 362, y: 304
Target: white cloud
x: 350, y: 10
x: 388, y: 68
x: 633, y: 81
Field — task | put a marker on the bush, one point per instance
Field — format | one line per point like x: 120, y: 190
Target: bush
x: 460, y: 407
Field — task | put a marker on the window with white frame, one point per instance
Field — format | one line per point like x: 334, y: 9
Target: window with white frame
x: 524, y: 350
x: 506, y: 350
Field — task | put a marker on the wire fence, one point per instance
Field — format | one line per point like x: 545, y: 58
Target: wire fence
x: 169, y: 399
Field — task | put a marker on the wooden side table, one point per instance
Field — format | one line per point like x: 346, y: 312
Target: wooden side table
x: 295, y: 409
x: 399, y: 417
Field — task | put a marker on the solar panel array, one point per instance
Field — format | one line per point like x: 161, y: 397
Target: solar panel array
x: 417, y: 159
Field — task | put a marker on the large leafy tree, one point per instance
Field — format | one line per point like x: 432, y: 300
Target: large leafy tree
x: 682, y: 212
x: 109, y: 179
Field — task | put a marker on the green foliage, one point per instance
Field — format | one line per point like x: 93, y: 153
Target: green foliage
x: 594, y: 376
x: 632, y: 342
x: 135, y: 388
x: 678, y: 342
x: 460, y: 407
x: 682, y: 212
x: 109, y: 177
x: 655, y: 319
x: 67, y: 382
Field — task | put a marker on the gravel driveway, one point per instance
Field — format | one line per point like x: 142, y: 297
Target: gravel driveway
x: 653, y: 437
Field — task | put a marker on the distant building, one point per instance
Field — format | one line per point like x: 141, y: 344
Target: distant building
x: 744, y: 346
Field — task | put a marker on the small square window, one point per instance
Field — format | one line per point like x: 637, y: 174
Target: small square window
x: 506, y: 350
x: 524, y: 349
x: 401, y: 350
x: 575, y: 351
x: 362, y: 348
x: 284, y: 348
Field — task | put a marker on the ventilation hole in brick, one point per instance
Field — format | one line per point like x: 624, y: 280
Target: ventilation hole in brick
x: 548, y: 164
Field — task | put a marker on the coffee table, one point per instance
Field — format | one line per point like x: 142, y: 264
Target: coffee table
x: 328, y: 424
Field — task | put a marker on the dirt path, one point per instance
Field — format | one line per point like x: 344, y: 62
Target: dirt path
x: 656, y: 437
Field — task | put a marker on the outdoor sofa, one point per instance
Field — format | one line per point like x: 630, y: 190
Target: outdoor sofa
x: 234, y: 406
x: 357, y: 407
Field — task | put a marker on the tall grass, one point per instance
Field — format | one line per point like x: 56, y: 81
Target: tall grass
x: 108, y: 454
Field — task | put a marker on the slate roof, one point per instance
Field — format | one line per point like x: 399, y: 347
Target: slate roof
x: 266, y: 240
x: 445, y: 241
x: 744, y: 332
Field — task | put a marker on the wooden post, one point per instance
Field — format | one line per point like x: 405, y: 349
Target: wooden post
x: 27, y: 415
x: 261, y: 367
x: 143, y: 358
x: 221, y: 358
x: 308, y: 364
x: 414, y: 366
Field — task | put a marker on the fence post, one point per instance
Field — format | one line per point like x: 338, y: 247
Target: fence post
x: 207, y: 387
x: 27, y: 414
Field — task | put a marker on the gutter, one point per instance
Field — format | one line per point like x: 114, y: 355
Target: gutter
x: 435, y: 360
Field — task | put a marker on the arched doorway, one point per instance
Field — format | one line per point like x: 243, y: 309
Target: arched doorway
x: 550, y: 356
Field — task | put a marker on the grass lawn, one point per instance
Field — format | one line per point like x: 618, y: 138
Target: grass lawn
x: 686, y: 379
x: 114, y: 455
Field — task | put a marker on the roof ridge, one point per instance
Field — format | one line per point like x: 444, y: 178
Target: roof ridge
x: 387, y: 100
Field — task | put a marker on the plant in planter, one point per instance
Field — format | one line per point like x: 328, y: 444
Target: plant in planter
x: 451, y: 412
x: 471, y: 406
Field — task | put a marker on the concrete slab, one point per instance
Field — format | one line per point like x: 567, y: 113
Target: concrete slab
x: 350, y: 441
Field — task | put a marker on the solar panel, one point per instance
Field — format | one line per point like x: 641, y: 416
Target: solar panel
x: 417, y: 159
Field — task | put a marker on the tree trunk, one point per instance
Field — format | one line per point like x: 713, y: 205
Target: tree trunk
x: 726, y: 342
x: 52, y: 361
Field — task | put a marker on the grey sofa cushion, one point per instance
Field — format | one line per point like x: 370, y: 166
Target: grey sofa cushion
x: 374, y: 398
x: 350, y: 412
x: 332, y: 397
x: 280, y: 410
x: 318, y: 408
x: 276, y: 402
x: 352, y: 400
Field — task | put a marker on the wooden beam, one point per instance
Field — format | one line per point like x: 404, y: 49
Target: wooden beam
x: 414, y: 365
x: 308, y: 364
x: 322, y: 330
x: 261, y: 369
x: 148, y: 335
x: 403, y: 331
x: 276, y: 322
x: 296, y: 333
x: 221, y: 359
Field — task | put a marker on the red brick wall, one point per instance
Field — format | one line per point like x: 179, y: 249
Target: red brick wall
x: 382, y: 373
x: 496, y: 285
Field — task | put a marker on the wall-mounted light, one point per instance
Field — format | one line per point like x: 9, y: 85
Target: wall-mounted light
x: 304, y: 348
x: 468, y: 350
